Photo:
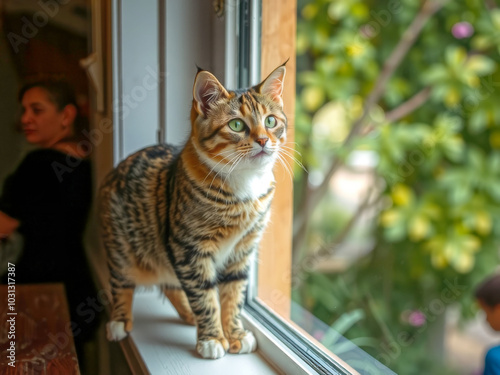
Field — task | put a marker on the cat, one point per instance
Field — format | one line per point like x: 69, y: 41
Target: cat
x: 188, y: 219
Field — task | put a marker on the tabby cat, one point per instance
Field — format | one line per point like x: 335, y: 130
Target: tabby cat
x: 189, y: 219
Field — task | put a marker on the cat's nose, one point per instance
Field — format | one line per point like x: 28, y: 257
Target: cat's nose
x: 262, y: 141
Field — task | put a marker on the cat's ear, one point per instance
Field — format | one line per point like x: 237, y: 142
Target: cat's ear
x: 273, y: 85
x: 206, y: 91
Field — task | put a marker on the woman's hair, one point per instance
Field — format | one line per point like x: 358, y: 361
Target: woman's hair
x: 489, y: 291
x: 61, y: 94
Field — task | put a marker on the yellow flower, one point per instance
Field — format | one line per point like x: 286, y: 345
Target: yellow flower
x: 463, y: 262
x: 495, y: 139
x: 483, y: 223
x: 452, y: 98
x: 354, y: 49
x: 418, y: 228
x: 439, y: 261
x: 401, y: 195
x: 389, y: 217
x: 312, y: 98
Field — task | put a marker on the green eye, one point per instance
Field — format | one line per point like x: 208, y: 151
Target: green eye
x: 237, y: 125
x: 270, y: 122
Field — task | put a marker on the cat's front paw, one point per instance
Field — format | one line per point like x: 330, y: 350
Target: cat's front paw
x: 117, y: 330
x: 245, y: 344
x: 212, y: 349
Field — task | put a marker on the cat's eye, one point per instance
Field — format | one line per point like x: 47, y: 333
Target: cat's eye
x: 237, y: 125
x: 270, y: 122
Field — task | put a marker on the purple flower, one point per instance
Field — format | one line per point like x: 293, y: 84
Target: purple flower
x: 462, y: 30
x: 417, y: 318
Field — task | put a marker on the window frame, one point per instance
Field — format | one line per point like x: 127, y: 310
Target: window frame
x: 270, y: 41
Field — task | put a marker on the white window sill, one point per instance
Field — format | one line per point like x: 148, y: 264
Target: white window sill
x: 161, y: 343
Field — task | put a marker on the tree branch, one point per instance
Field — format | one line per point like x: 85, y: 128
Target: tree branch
x: 409, y: 106
x: 368, y: 202
x: 313, y: 196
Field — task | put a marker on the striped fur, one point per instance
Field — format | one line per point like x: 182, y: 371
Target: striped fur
x: 189, y: 219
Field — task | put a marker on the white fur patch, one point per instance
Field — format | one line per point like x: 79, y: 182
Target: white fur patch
x: 211, y: 349
x: 248, y: 343
x: 115, y: 331
x: 247, y: 184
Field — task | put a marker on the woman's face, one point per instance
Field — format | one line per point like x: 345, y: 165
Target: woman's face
x: 42, y: 123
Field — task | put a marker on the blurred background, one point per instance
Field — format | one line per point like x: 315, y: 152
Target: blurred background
x: 37, y: 41
x: 397, y: 219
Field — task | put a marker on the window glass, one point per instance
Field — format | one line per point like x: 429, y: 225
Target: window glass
x: 396, y: 220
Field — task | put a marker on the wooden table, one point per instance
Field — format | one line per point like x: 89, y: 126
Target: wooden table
x: 35, y: 333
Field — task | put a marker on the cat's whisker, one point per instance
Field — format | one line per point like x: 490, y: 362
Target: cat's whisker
x: 236, y: 161
x: 225, y: 159
x: 222, y: 170
x: 292, y: 149
x: 297, y: 161
x: 233, y: 166
x: 283, y: 161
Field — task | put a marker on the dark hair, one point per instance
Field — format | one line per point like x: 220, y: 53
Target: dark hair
x: 61, y: 94
x: 489, y: 291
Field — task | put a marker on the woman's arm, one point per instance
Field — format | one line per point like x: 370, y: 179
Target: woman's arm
x: 7, y: 225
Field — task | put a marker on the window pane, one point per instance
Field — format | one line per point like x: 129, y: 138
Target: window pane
x: 396, y: 221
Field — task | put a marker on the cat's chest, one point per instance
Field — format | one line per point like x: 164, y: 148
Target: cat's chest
x: 249, y: 185
x: 244, y: 230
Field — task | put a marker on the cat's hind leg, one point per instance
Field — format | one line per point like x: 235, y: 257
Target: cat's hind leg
x: 180, y: 302
x: 120, y: 323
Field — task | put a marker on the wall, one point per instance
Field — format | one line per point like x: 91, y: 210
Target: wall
x: 154, y: 65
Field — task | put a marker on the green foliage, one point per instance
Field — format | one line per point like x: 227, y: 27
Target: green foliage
x: 438, y: 165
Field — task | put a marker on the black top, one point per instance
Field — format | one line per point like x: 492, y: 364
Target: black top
x: 50, y: 193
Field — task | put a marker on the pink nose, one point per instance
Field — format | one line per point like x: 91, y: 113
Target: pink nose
x: 262, y: 141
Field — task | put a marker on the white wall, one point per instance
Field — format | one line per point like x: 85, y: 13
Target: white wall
x: 135, y: 76
x: 193, y: 35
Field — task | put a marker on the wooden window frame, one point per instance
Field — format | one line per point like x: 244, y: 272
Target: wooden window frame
x: 278, y: 34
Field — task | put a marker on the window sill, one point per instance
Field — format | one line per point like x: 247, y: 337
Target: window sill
x: 161, y: 343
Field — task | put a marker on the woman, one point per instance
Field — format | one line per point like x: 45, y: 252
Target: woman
x: 47, y: 199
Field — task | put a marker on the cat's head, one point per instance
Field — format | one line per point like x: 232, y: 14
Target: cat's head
x: 241, y: 129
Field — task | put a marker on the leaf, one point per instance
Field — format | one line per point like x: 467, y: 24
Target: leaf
x: 396, y: 232
x: 460, y: 194
x: 480, y: 65
x: 477, y: 121
x: 346, y: 346
x: 453, y: 148
x: 435, y: 74
x: 342, y: 325
x: 455, y: 56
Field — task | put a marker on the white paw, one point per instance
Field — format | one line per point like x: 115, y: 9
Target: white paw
x: 115, y: 331
x: 210, y: 349
x: 248, y: 343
